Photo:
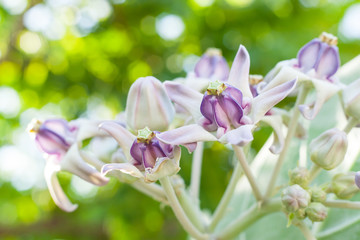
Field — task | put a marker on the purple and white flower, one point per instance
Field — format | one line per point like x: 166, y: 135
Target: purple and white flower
x: 61, y: 142
x: 227, y: 109
x: 315, y: 65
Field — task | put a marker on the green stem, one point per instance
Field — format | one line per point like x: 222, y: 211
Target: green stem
x: 350, y: 124
x: 224, y: 202
x: 314, y: 171
x: 247, y: 171
x: 179, y: 211
x: 342, y: 204
x: 304, y: 229
x: 249, y: 217
x: 196, y: 172
x: 151, y: 189
x: 290, y: 134
x: 191, y: 210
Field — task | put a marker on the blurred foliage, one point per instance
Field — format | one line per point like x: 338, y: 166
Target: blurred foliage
x: 96, y: 66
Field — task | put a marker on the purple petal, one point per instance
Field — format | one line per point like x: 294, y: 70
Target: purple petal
x: 149, y: 156
x: 190, y: 146
x: 266, y: 100
x: 233, y: 110
x: 329, y: 62
x: 60, y: 126
x: 121, y: 135
x: 168, y: 149
x: 221, y: 118
x: 309, y: 54
x: 136, y: 152
x: 357, y: 179
x: 186, y: 97
x: 51, y: 143
x: 212, y: 67
x: 239, y: 136
x: 185, y: 135
x: 234, y: 93
x: 56, y: 192
x: 207, y: 110
x: 221, y: 70
x: 239, y: 72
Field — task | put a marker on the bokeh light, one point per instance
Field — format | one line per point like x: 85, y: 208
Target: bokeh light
x: 170, y: 26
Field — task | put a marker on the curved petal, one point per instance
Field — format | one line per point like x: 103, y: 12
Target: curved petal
x: 239, y: 72
x: 185, y: 97
x: 324, y: 90
x: 185, y: 135
x: 164, y: 167
x: 309, y: 54
x: 126, y: 168
x: 73, y: 163
x: 207, y: 110
x: 233, y: 110
x: 239, y: 136
x: 266, y: 100
x: 124, y: 138
x: 329, y: 62
x: 86, y: 128
x: 221, y: 119
x: 56, y: 192
x: 275, y: 122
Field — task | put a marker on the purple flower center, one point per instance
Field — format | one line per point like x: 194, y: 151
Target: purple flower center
x: 320, y: 54
x: 221, y: 107
x: 147, y: 148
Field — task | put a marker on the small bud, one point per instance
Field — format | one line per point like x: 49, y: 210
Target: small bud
x: 212, y: 65
x: 148, y: 105
x: 317, y: 194
x: 294, y: 198
x: 343, y: 185
x: 316, y: 212
x: 300, y: 213
x: 328, y: 150
x: 300, y: 176
x: 351, y: 98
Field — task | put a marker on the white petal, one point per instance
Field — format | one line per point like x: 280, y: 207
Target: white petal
x: 56, y: 192
x: 267, y: 99
x: 239, y: 72
x: 239, y: 136
x: 185, y: 135
x: 73, y: 163
x: 186, y: 97
x: 126, y: 168
x: 275, y: 121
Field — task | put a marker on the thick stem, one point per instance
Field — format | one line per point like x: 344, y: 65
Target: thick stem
x: 196, y: 172
x: 179, y: 211
x: 247, y: 171
x: 249, y: 217
x: 305, y: 230
x: 290, y: 134
x: 224, y: 202
x: 314, y: 171
x: 191, y: 210
x: 342, y: 204
x: 350, y: 124
x: 151, y: 189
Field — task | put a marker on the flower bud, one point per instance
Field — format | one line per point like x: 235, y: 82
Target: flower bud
x: 322, y: 55
x: 300, y: 213
x: 294, y: 198
x: 148, y: 105
x: 317, y: 194
x: 328, y: 150
x: 300, y: 176
x: 212, y: 65
x: 53, y: 136
x: 316, y: 212
x: 351, y: 99
x: 343, y: 185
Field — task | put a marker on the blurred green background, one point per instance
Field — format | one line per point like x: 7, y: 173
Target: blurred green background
x: 78, y: 58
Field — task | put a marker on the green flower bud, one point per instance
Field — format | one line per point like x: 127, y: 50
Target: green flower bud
x: 300, y: 214
x: 299, y: 176
x: 294, y: 198
x: 317, y: 194
x: 316, y: 212
x: 343, y: 185
x: 328, y: 149
x: 351, y: 99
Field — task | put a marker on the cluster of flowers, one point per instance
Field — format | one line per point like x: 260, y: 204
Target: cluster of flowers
x: 213, y: 103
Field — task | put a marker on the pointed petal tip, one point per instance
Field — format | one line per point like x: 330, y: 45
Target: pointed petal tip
x: 307, y: 112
